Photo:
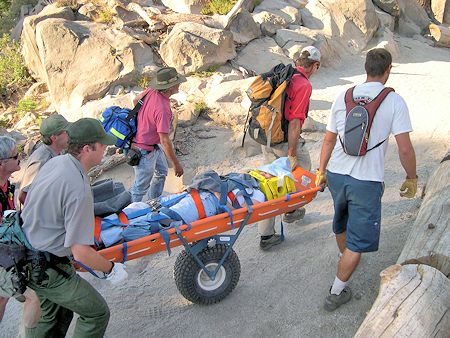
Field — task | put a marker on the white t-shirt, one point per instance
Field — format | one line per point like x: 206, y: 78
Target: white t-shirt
x: 392, y: 117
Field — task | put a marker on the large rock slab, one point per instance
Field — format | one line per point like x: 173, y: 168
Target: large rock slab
x: 244, y: 28
x: 294, y: 39
x: 413, y: 18
x: 96, y: 107
x: 30, y: 50
x: 83, y: 60
x: 386, y: 40
x: 261, y: 55
x: 288, y: 10
x: 191, y: 47
x: 270, y: 22
x: 386, y: 20
x: 389, y: 6
x: 351, y: 24
x: 439, y: 8
x: 185, y: 6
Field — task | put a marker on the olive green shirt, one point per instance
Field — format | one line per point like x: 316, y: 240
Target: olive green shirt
x: 59, y: 208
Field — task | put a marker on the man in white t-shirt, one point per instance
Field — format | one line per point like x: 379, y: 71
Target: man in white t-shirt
x: 356, y: 182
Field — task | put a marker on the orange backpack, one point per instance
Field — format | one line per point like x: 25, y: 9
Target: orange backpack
x: 266, y: 123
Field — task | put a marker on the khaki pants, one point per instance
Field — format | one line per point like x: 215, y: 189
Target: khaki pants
x: 60, y: 296
x: 267, y: 226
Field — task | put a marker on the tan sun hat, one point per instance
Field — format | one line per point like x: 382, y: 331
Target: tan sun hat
x: 166, y: 78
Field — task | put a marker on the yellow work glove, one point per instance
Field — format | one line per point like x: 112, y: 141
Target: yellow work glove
x: 293, y: 160
x: 409, y: 188
x: 321, y: 177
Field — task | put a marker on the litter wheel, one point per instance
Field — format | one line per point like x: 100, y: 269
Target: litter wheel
x: 195, y: 285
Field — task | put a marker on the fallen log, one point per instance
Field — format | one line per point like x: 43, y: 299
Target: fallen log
x: 111, y: 162
x: 429, y: 240
x: 414, y: 301
x: 414, y: 296
x: 441, y: 35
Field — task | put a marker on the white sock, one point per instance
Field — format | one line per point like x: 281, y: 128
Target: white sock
x: 340, y: 255
x: 338, y: 286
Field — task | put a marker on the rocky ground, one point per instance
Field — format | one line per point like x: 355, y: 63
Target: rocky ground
x: 281, y: 292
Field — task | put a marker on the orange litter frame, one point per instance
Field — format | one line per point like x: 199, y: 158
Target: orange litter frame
x: 207, y: 229
x: 217, y: 224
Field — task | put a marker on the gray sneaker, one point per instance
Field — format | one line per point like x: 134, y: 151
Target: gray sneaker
x: 295, y: 215
x: 332, y: 302
x: 266, y: 244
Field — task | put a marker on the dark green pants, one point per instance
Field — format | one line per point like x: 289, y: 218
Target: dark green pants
x: 61, y: 296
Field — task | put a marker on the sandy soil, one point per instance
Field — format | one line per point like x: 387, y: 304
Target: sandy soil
x: 281, y: 292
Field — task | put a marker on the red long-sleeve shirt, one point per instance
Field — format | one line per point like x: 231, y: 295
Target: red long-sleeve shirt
x: 298, y: 94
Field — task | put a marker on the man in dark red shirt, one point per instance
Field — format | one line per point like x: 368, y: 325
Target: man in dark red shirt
x: 298, y: 95
x: 153, y: 128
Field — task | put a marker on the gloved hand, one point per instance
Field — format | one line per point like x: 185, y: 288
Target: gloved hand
x: 321, y: 177
x: 409, y: 188
x: 117, y: 274
x: 293, y: 160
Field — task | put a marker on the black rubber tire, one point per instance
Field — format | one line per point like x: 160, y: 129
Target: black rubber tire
x: 187, y: 270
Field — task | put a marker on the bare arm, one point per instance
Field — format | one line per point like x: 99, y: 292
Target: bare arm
x: 170, y: 153
x: 406, y: 154
x: 329, y: 141
x: 294, y: 131
x: 22, y: 197
x: 91, y: 258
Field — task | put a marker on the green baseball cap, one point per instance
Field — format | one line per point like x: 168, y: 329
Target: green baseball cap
x: 89, y: 130
x: 53, y: 125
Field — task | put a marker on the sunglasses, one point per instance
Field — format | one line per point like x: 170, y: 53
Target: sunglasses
x: 15, y: 157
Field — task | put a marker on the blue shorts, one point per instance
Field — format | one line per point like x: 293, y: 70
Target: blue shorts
x: 357, y: 210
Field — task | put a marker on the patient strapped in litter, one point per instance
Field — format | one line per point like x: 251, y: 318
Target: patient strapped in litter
x: 208, y: 195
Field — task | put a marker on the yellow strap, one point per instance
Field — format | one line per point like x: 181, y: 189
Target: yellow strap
x: 117, y: 134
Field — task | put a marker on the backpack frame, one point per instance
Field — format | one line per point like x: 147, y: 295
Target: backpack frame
x: 268, y: 84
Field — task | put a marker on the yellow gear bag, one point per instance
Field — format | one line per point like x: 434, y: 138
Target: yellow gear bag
x: 269, y: 186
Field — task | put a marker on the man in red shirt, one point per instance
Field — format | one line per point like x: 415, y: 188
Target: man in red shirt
x: 153, y: 127
x: 298, y: 95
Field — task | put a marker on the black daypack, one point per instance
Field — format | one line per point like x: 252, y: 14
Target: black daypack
x: 14, y: 246
x: 358, y: 122
x: 266, y: 122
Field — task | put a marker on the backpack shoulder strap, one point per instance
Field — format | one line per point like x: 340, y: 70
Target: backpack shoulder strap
x: 372, y: 108
x: 375, y: 103
x: 349, y: 102
x: 133, y: 113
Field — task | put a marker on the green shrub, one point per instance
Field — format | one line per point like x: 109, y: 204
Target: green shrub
x: 72, y: 4
x: 4, y: 123
x: 143, y: 81
x: 200, y: 108
x: 208, y: 72
x: 9, y: 13
x: 13, y: 73
x: 104, y: 15
x: 218, y: 7
x: 26, y: 105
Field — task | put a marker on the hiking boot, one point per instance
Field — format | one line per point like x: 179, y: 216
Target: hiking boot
x: 266, y: 244
x: 332, y: 302
x: 295, y: 215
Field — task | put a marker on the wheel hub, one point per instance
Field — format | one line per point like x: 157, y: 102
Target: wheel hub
x: 206, y: 283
